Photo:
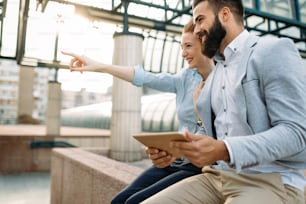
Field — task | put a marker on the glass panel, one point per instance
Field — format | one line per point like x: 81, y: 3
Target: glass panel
x: 41, y: 31
x: 149, y: 112
x: 157, y: 120
x: 166, y: 55
x: 176, y: 58
x: 10, y: 25
x: 155, y: 13
x: 248, y: 3
x: 278, y: 7
x: 105, y: 4
x: 169, y: 113
x: 138, y: 10
x: 149, y: 44
x: 93, y: 38
x: 157, y: 54
x: 303, y: 10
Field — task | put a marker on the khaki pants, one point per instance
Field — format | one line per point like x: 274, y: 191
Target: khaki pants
x: 215, y: 187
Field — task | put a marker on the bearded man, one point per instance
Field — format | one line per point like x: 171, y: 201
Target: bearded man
x: 253, y: 110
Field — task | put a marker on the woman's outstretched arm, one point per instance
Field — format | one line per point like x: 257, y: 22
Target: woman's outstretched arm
x: 83, y: 63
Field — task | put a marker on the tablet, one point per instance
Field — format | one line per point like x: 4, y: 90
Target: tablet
x: 161, y: 141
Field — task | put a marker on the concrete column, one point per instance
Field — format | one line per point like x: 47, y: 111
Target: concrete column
x: 53, y: 116
x: 126, y: 101
x: 25, y: 91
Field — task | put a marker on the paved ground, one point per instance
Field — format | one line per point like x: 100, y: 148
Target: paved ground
x: 32, y: 188
x: 25, y: 188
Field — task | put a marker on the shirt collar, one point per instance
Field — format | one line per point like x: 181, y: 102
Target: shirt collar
x: 235, y: 46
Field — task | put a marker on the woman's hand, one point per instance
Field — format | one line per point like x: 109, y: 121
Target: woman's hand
x: 159, y: 158
x: 82, y: 63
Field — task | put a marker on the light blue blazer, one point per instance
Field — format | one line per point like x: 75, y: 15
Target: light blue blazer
x: 271, y: 91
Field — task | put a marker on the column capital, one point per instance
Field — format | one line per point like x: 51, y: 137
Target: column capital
x: 128, y: 33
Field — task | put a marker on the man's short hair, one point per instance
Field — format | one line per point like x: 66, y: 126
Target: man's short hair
x: 236, y: 6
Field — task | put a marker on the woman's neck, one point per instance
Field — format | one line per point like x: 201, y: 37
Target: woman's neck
x: 206, y: 68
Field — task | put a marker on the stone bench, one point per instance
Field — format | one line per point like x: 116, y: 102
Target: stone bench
x: 81, y: 176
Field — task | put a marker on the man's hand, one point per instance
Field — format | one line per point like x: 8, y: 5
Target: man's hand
x: 202, y: 150
x: 159, y: 158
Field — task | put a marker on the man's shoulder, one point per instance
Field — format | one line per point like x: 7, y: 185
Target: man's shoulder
x: 272, y: 42
x: 271, y: 47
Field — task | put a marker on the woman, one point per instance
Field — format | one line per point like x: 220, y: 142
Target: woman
x: 166, y: 169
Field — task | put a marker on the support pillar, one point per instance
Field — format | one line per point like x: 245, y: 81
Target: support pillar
x: 53, y: 116
x: 126, y: 101
x: 25, y: 91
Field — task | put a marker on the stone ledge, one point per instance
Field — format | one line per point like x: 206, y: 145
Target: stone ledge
x: 80, y: 176
x: 86, y: 176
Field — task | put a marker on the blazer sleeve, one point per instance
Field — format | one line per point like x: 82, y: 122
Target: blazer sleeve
x: 276, y: 72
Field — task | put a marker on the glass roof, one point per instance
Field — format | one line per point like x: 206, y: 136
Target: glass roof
x: 158, y: 112
x: 161, y: 10
x: 283, y: 18
x: 54, y: 25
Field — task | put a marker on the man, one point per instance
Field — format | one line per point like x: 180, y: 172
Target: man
x: 253, y: 108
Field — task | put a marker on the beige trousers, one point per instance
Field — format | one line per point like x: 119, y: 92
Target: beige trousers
x: 223, y: 187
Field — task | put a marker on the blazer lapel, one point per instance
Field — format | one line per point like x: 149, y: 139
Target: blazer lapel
x: 247, y: 51
x: 204, y: 105
x: 240, y: 75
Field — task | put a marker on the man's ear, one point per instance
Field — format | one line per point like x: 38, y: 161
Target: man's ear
x: 224, y: 14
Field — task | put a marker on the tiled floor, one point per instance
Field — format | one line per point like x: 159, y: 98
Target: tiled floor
x: 25, y: 188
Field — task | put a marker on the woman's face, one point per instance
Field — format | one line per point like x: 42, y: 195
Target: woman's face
x: 191, y: 50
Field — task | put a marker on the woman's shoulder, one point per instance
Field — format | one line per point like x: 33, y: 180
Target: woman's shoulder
x: 189, y: 71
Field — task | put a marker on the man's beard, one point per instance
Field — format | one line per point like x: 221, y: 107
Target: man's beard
x: 213, y: 39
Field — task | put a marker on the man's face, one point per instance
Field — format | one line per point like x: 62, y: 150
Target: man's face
x: 208, y: 28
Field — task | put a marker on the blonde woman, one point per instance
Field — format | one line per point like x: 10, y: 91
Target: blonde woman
x: 166, y: 169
